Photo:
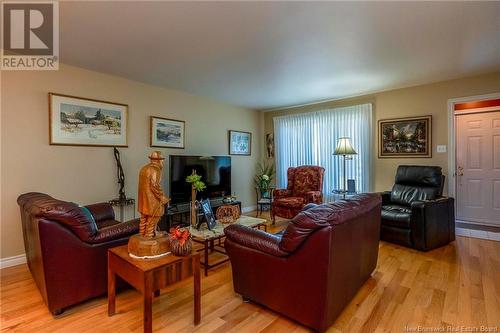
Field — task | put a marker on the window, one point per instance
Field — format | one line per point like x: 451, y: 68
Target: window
x: 310, y: 139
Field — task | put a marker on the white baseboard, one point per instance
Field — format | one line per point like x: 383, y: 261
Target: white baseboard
x: 12, y: 261
x: 248, y: 209
x: 481, y: 234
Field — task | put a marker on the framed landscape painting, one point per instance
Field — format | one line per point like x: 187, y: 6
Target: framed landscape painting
x: 77, y: 121
x: 240, y: 143
x: 167, y: 133
x: 405, y: 137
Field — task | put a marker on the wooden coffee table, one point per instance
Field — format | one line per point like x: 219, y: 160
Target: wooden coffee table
x: 150, y: 275
x: 209, y: 238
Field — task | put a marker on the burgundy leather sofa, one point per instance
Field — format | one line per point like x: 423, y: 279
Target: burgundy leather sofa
x: 312, y: 270
x: 66, y: 247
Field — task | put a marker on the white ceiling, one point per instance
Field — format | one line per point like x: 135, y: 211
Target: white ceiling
x: 272, y: 54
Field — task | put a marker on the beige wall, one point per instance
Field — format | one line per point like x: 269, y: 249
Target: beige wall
x: 88, y: 174
x: 430, y: 99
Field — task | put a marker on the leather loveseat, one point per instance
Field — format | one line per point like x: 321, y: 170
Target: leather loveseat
x: 66, y: 247
x: 312, y: 270
x: 414, y: 213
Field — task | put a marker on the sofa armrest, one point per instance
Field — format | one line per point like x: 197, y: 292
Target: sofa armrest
x: 101, y: 211
x: 116, y: 231
x: 255, y: 239
x: 308, y: 206
x: 314, y: 197
x: 428, y: 203
x: 386, y: 197
x: 281, y: 193
x: 433, y: 222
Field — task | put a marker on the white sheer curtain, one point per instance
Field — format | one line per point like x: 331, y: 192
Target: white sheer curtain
x: 310, y: 139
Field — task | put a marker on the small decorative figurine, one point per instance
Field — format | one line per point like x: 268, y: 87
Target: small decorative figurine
x: 122, y: 199
x: 120, y: 175
x: 150, y: 243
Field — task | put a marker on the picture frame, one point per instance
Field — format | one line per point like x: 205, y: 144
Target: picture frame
x: 206, y: 208
x: 270, y: 145
x: 405, y: 137
x: 167, y: 133
x: 240, y: 143
x: 79, y: 121
x: 351, y: 186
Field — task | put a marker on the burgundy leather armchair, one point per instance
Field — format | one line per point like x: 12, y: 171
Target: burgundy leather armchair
x: 66, y: 247
x: 310, y: 272
x: 304, y: 185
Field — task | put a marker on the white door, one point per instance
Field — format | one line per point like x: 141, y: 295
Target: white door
x: 478, y: 168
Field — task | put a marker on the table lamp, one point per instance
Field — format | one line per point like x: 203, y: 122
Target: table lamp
x: 344, y: 148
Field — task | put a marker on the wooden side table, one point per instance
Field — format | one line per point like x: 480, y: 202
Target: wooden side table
x: 121, y: 204
x: 344, y: 194
x: 150, y: 275
x: 264, y: 201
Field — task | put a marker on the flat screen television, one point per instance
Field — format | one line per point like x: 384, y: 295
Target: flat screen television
x: 214, y: 170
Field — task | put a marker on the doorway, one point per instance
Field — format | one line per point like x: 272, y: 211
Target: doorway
x: 477, y: 160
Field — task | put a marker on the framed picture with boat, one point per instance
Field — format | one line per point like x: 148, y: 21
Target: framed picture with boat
x: 405, y: 137
x: 78, y: 121
x: 167, y: 133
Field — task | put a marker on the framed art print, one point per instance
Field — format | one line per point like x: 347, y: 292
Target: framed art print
x: 405, y: 137
x: 206, y: 207
x: 240, y: 143
x: 77, y: 121
x: 167, y: 133
x: 270, y: 145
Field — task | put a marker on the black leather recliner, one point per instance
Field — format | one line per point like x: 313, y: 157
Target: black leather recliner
x: 414, y: 213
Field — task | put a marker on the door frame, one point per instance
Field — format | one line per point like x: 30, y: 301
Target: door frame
x: 452, y: 133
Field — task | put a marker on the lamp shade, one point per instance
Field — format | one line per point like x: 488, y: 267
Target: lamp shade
x: 344, y: 147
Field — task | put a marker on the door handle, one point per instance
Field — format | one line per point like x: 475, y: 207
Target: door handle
x: 460, y: 173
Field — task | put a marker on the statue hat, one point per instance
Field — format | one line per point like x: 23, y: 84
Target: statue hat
x: 156, y: 155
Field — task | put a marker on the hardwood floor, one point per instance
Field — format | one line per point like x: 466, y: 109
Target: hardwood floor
x: 457, y: 285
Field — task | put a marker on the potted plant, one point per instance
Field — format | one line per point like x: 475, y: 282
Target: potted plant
x: 196, y: 186
x: 264, y: 177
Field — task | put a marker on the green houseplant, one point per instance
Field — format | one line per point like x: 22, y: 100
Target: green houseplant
x: 264, y: 177
x: 196, y: 186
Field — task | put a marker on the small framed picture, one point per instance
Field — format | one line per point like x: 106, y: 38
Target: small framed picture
x: 405, y: 137
x: 351, y: 186
x: 77, y: 121
x: 270, y: 145
x: 167, y: 133
x: 240, y: 143
x: 206, y: 207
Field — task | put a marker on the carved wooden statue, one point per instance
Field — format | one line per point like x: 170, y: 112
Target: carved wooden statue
x: 151, y: 199
x: 151, y: 203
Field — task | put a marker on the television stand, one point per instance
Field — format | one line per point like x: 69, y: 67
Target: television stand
x: 178, y: 214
